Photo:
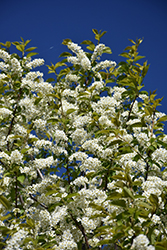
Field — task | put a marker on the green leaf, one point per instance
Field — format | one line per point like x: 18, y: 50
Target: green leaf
x: 107, y: 50
x: 53, y: 120
x: 59, y: 64
x: 37, y: 100
x: 114, y: 142
x: 145, y: 70
x: 114, y: 195
x: 30, y: 223
x: 95, y: 31
x: 31, y: 54
x: 91, y: 47
x: 21, y: 178
x: 65, y: 54
x: 30, y: 49
x: 104, y: 242
x: 66, y: 41
x: 26, y: 42
x: 20, y: 47
x: 15, y: 43
x: 50, y: 80
x: 87, y: 42
x: 153, y: 199
x: 125, y: 54
x: 3, y: 44
x: 138, y: 58
x: 136, y: 125
x: 128, y: 192
x: 69, y: 111
x: 71, y: 195
x: 97, y: 207
x: 119, y: 203
x: 143, y: 204
x: 161, y: 245
x: 119, y: 177
x: 28, y: 239
x: 24, y: 150
x: 163, y: 118
x: 8, y: 44
x: 5, y: 202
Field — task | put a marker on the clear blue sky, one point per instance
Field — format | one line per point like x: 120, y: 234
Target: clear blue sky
x: 48, y: 22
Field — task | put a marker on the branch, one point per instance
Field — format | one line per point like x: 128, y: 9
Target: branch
x: 21, y: 199
x: 40, y: 174
x: 147, y: 171
x: 16, y: 191
x: 41, y: 204
x: 81, y: 228
x: 131, y: 107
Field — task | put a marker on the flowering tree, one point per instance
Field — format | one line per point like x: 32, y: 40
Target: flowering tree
x: 94, y: 123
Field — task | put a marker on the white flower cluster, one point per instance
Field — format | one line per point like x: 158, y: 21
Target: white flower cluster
x: 153, y: 185
x: 96, y: 86
x: 16, y: 157
x: 71, y: 78
x: 141, y: 243
x: 15, y: 241
x: 81, y: 121
x: 43, y: 163
x: 33, y: 75
x: 67, y: 242
x: 3, y: 66
x: 80, y: 181
x: 105, y: 64
x: 78, y: 156
x: 4, y: 55
x: 60, y: 136
x: 79, y: 136
x: 35, y: 63
x: 15, y: 66
x: 97, y: 51
x: 91, y: 164
x: 80, y: 58
x: 160, y: 155
x: 4, y: 112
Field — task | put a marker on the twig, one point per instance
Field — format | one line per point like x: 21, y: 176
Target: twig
x: 81, y: 228
x: 40, y: 174
x: 41, y: 204
x: 131, y: 107
x: 21, y: 199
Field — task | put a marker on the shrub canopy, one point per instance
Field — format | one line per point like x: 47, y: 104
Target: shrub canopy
x: 83, y: 155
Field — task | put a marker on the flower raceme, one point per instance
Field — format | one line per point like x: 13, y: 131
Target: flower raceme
x: 82, y: 155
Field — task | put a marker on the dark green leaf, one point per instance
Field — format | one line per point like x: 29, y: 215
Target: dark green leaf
x: 5, y: 202
x: 119, y: 203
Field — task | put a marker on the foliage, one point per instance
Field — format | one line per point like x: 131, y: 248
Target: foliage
x: 107, y: 142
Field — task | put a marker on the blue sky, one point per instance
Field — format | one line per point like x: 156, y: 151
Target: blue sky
x: 48, y: 22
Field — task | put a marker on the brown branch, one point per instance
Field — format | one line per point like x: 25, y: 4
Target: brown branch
x: 147, y: 171
x: 21, y: 199
x: 41, y: 204
x: 16, y: 192
x: 131, y: 107
x: 81, y: 228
